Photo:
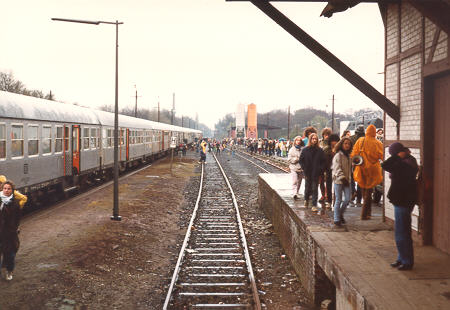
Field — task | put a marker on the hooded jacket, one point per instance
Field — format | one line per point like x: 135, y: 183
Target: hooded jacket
x: 369, y: 174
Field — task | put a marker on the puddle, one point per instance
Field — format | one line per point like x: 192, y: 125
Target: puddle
x: 152, y: 176
x: 45, y: 266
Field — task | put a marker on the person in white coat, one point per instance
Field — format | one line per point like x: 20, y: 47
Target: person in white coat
x: 294, y: 166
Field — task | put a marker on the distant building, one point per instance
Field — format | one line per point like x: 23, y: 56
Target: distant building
x: 240, y: 121
x: 252, y: 123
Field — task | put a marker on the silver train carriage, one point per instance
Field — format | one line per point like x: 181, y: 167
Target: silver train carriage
x: 52, y: 146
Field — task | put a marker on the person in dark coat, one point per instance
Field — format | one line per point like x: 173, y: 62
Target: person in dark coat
x: 402, y: 193
x: 10, y: 213
x: 356, y: 189
x: 312, y: 161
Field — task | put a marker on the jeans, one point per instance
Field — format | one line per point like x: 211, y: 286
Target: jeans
x: 8, y: 260
x: 296, y: 181
x: 311, y: 190
x: 340, y: 205
x: 403, y: 238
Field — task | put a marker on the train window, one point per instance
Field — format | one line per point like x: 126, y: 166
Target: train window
x: 16, y: 140
x: 66, y: 138
x: 46, y: 139
x: 2, y: 141
x: 86, y: 138
x: 94, y: 138
x: 33, y: 141
x: 122, y: 136
x: 58, y: 139
x: 110, y: 137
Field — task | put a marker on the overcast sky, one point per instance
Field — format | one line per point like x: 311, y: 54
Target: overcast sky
x: 212, y: 54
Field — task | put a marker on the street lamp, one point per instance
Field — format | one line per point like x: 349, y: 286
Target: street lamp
x: 115, y: 215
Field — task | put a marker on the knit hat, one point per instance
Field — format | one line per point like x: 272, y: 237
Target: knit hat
x: 396, y: 148
x: 359, y: 129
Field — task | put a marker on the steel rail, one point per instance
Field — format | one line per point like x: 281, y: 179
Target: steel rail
x: 264, y: 161
x: 185, y: 242
x: 244, y: 241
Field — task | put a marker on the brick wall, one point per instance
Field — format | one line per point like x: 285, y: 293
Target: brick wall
x: 410, y: 97
x: 392, y: 48
x: 442, y: 46
x: 391, y: 94
x: 411, y: 27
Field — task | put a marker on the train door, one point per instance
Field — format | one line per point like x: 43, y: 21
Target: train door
x: 162, y: 140
x: 76, y: 149
x: 67, y: 156
x: 127, y: 139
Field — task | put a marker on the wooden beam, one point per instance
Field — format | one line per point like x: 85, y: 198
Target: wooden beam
x: 433, y: 45
x: 384, y: 103
x: 438, y: 11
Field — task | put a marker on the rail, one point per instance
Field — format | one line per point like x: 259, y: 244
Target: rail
x: 210, y: 268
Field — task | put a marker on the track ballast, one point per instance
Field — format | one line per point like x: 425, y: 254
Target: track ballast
x: 213, y: 270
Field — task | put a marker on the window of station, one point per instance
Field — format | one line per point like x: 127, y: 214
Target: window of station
x: 86, y: 138
x: 2, y: 141
x: 16, y: 140
x: 33, y: 140
x: 46, y: 139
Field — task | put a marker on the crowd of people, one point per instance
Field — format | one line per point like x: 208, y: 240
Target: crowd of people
x: 348, y: 171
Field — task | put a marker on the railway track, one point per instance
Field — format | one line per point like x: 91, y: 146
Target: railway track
x: 214, y: 270
x: 245, y: 156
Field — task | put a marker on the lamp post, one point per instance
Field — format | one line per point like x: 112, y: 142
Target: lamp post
x: 115, y: 216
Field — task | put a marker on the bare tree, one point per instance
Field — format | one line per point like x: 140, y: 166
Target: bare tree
x: 10, y: 84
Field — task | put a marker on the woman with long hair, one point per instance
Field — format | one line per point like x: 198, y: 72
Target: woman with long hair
x: 294, y: 165
x: 342, y: 175
x: 312, y: 161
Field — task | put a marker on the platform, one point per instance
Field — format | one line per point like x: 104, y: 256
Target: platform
x: 351, y: 265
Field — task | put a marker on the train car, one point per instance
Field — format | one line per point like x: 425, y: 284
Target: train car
x: 52, y: 146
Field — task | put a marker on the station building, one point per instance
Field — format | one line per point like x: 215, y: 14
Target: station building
x: 417, y: 80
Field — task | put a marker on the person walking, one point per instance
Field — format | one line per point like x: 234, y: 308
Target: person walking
x: 10, y: 213
x: 312, y: 161
x: 402, y: 193
x: 202, y: 152
x: 294, y: 166
x: 356, y: 189
x: 342, y: 175
x: 369, y: 174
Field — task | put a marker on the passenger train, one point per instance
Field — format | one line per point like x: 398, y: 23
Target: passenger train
x: 48, y: 146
